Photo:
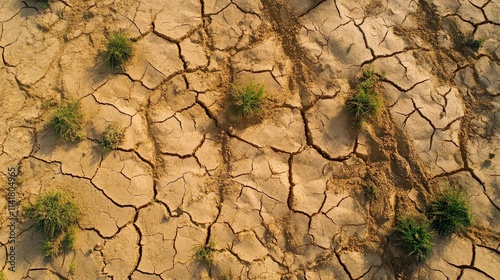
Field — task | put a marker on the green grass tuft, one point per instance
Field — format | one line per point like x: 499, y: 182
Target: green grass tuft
x: 450, y: 212
x: 369, y: 72
x: 370, y: 190
x: 51, y: 248
x: 247, y: 99
x: 69, y: 238
x: 68, y: 121
x: 472, y: 43
x: 204, y: 253
x: 366, y: 102
x: 118, y: 51
x: 45, y: 3
x: 414, y: 236
x: 53, y: 213
x: 72, y: 268
x: 112, y: 137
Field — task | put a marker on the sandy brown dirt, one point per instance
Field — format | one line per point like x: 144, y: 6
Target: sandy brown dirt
x: 281, y: 196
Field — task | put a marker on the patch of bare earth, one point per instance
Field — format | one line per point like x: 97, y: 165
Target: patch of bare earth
x: 296, y: 193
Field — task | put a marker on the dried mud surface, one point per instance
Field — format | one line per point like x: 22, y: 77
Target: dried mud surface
x: 281, y: 197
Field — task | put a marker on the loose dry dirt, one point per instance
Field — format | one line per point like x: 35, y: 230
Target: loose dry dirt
x: 281, y: 197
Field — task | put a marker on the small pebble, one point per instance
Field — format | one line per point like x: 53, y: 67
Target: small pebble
x: 98, y: 246
x: 77, y: 33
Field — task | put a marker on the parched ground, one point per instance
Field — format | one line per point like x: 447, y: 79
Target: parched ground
x: 281, y: 197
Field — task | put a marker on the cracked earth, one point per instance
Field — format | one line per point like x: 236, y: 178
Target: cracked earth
x: 282, y: 197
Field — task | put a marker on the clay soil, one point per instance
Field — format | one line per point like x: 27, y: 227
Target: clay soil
x: 298, y: 192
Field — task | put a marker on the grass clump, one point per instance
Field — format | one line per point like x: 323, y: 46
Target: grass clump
x: 56, y: 215
x: 370, y: 190
x: 64, y: 242
x: 450, y: 212
x: 49, y: 103
x: 472, y: 43
x: 72, y: 268
x: 53, y: 213
x: 68, y: 241
x: 118, y: 51
x: 45, y: 3
x: 366, y: 101
x: 414, y: 236
x: 247, y: 99
x: 68, y: 121
x: 51, y: 248
x: 112, y: 137
x: 2, y: 276
x: 204, y: 253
